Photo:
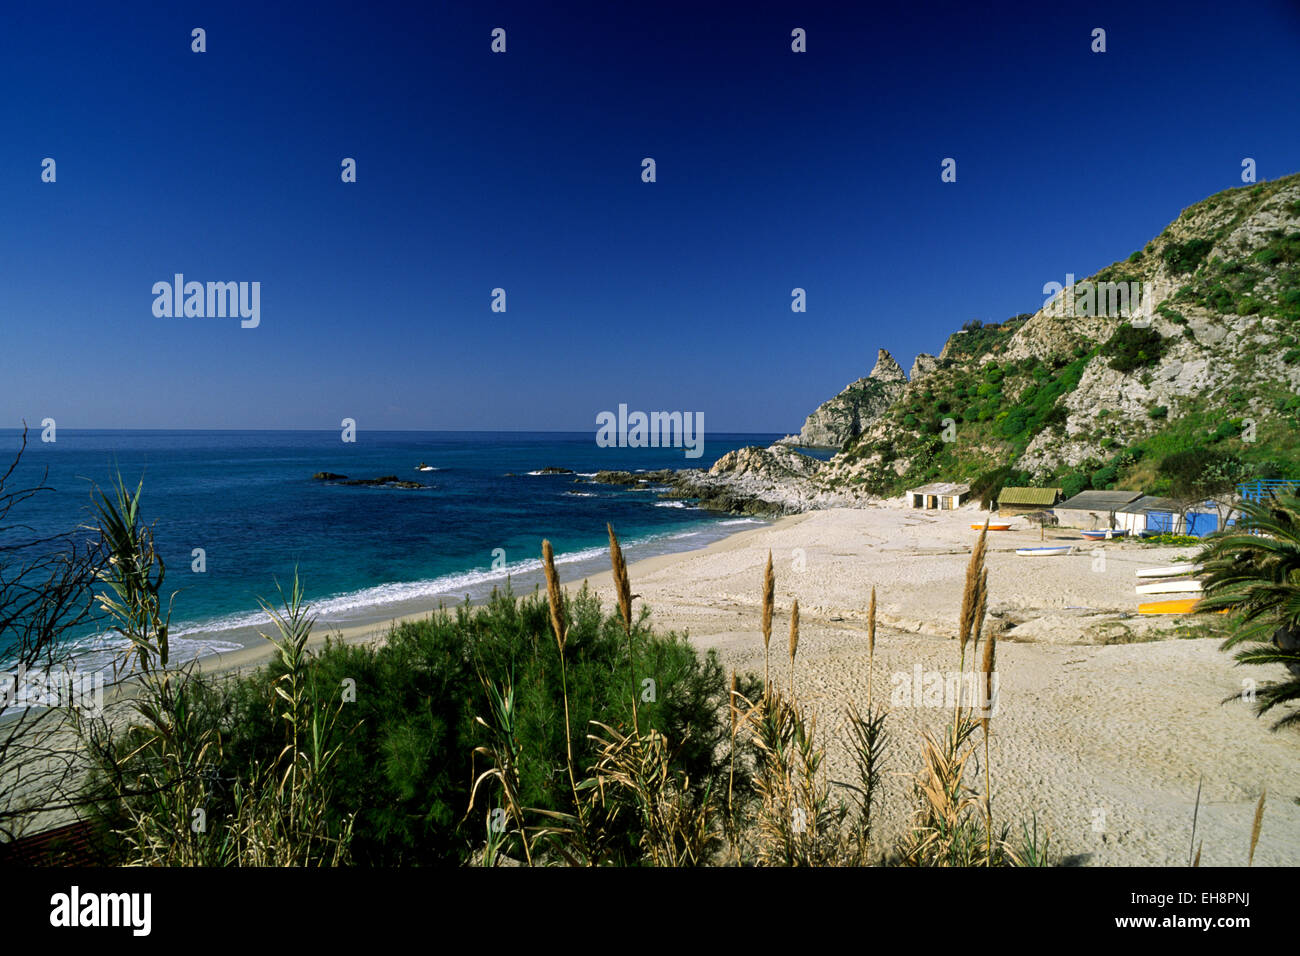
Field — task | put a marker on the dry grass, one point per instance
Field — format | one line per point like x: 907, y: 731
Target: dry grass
x: 871, y: 643
x: 769, y: 605
x: 1254, y: 829
x: 794, y: 640
x: 623, y: 588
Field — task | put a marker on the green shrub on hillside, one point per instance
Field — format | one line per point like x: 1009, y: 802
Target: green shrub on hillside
x: 1184, y: 257
x: 1072, y: 483
x: 1284, y: 249
x: 1132, y: 348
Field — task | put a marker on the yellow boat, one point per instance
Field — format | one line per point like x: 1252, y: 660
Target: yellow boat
x: 1179, y: 606
x: 992, y: 527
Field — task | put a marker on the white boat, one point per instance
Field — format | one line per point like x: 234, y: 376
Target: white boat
x: 1170, y: 587
x: 1044, y: 552
x: 1173, y: 571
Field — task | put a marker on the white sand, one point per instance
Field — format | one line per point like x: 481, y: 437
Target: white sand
x: 1087, y: 735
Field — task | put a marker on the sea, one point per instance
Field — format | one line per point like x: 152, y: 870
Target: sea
x: 236, y: 513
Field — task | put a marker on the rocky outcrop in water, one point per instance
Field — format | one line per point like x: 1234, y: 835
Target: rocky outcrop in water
x: 663, y: 476
x: 387, y: 481
x: 762, y: 482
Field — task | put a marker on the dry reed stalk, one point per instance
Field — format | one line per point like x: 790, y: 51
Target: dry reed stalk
x: 794, y: 640
x: 769, y: 601
x: 1196, y: 812
x: 986, y: 668
x: 623, y: 586
x: 621, y: 580
x: 734, y: 707
x: 1254, y: 830
x: 970, y: 596
x: 972, y: 607
x: 871, y: 643
x: 553, y: 595
x: 556, y: 599
x: 980, y: 608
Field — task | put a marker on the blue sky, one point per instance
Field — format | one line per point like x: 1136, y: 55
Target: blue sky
x: 522, y: 171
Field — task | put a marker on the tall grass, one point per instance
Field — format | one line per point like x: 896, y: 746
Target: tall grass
x: 161, y: 776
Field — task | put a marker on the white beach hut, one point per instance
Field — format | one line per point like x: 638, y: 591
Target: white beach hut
x: 942, y: 496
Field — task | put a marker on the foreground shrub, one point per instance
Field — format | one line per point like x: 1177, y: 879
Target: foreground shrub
x: 408, y: 770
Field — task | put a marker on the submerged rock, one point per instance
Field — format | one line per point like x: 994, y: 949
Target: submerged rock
x: 386, y: 481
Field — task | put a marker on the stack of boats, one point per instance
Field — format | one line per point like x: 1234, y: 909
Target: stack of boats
x: 1177, y: 579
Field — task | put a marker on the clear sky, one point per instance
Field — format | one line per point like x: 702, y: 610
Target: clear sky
x: 522, y: 171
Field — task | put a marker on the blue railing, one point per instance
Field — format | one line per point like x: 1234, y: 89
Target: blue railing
x: 1257, y: 489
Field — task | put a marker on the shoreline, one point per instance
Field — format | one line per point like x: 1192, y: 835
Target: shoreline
x: 376, y: 630
x: 1107, y: 722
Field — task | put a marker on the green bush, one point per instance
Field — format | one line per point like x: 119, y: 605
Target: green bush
x: 1186, y: 256
x: 1226, y: 430
x: 1284, y: 249
x: 1172, y: 314
x: 1160, y: 411
x: 408, y: 768
x: 1105, y: 476
x: 1015, y: 422
x: 1132, y: 348
x: 1165, y: 540
x: 1072, y: 483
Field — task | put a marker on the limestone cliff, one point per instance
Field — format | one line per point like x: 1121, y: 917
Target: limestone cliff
x: 843, y: 418
x: 1191, y: 342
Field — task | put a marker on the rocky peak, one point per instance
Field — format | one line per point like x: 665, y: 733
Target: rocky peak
x: 887, y: 369
x: 846, y: 416
x: 924, y: 364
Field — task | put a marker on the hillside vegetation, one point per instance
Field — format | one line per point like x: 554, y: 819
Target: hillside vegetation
x: 1197, y: 385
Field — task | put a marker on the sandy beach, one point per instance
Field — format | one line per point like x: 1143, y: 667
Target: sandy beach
x: 1106, y: 721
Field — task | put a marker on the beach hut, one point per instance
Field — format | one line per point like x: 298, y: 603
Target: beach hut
x: 1170, y: 518
x: 1017, y: 501
x: 1091, y: 510
x: 1147, y: 513
x: 942, y: 495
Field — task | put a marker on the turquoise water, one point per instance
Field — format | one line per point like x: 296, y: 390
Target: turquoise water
x: 248, y: 500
